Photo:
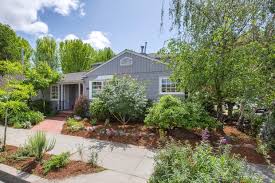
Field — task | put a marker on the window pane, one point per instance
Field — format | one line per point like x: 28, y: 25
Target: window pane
x: 168, y: 86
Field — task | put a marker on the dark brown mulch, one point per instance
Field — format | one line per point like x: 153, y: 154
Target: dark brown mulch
x: 243, y: 144
x: 29, y: 165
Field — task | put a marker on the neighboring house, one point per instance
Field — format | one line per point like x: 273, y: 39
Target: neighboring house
x: 146, y: 69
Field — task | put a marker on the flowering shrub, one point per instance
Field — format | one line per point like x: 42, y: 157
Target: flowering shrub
x: 81, y: 106
x: 182, y: 163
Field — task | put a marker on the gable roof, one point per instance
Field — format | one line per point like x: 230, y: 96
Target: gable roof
x: 72, y: 77
x: 121, y: 53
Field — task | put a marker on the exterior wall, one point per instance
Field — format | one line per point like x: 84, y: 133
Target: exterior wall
x: 143, y: 69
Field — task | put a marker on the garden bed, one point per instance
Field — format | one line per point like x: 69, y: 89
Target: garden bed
x: 140, y: 135
x: 29, y: 165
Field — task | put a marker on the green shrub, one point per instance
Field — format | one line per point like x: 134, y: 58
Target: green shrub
x: 37, y: 105
x: 38, y: 145
x: 99, y: 110
x: 24, y: 125
x: 181, y: 163
x: 81, y: 107
x: 124, y: 98
x: 74, y: 125
x: 171, y: 112
x: 56, y: 162
x: 21, y: 118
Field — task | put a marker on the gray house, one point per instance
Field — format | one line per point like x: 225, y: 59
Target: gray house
x: 145, y: 68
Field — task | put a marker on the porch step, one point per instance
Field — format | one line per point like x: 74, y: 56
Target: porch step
x: 64, y: 114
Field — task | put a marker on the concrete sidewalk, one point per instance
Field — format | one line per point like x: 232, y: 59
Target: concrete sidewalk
x: 125, y: 163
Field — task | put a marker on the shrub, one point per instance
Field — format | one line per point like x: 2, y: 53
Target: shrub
x: 56, y: 162
x: 37, y: 105
x: 124, y: 98
x: 38, y: 145
x: 21, y: 118
x: 171, y: 112
x: 24, y: 125
x: 99, y: 110
x: 181, y: 163
x: 74, y: 125
x: 81, y: 106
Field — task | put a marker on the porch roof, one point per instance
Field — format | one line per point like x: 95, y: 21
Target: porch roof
x: 75, y: 77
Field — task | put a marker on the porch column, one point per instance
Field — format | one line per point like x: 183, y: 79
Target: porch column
x: 62, y: 97
x: 79, y: 89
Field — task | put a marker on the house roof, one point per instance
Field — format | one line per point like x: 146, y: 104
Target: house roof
x: 72, y: 77
x: 123, y: 52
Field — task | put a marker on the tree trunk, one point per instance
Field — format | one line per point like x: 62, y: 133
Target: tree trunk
x: 219, y: 110
x: 230, y: 110
x: 44, y: 103
x: 241, y: 114
x: 5, y: 130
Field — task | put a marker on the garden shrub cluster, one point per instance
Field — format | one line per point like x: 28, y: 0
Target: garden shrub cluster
x: 123, y: 98
x: 25, y: 119
x: 74, y: 125
x: 56, y: 162
x: 171, y: 112
x: 182, y: 163
x: 38, y: 105
x: 81, y: 106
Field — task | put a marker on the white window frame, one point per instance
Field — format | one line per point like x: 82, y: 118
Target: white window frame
x: 127, y: 63
x: 91, y: 88
x: 51, y: 93
x: 167, y: 93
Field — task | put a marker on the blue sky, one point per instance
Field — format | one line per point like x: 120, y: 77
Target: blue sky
x: 121, y: 24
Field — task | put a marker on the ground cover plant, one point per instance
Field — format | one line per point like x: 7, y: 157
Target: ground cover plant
x: 74, y: 125
x: 183, y: 163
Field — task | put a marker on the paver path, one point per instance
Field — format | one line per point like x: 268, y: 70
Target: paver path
x: 52, y: 124
x: 125, y: 163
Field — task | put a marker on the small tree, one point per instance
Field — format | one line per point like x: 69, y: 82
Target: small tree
x: 124, y: 98
x: 41, y: 77
x: 13, y: 92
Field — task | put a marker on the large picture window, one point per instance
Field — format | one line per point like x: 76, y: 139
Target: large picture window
x: 168, y: 87
x: 54, y: 92
x: 96, y: 88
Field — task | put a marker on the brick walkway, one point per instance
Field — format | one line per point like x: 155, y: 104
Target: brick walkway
x: 52, y: 124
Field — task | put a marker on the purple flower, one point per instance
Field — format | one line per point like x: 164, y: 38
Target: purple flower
x: 223, y: 141
x: 205, y: 134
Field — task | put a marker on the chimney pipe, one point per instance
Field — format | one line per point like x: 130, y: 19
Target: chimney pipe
x: 142, y: 48
x: 145, y: 47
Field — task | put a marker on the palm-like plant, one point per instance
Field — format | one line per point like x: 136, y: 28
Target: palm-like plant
x: 38, y: 145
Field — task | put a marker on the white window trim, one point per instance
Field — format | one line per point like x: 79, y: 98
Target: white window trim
x: 167, y: 93
x: 90, y: 87
x: 58, y: 94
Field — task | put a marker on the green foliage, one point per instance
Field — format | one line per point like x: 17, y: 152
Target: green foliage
x: 46, y: 52
x: 21, y: 117
x: 11, y: 45
x: 182, y: 163
x: 81, y: 106
x: 124, y: 98
x: 171, y: 112
x: 74, y: 125
x: 22, y: 153
x: 37, y: 105
x: 56, y: 162
x: 98, y: 109
x: 93, y: 122
x: 39, y: 145
x: 104, y: 55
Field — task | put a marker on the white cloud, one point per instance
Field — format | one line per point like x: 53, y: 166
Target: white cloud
x: 22, y: 15
x: 70, y: 37
x: 98, y: 40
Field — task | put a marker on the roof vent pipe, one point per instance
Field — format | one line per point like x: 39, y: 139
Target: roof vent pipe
x: 142, y: 49
x: 145, y: 47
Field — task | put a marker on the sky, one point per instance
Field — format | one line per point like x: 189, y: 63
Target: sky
x: 119, y: 24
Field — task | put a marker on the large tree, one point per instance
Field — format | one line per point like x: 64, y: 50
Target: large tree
x: 77, y: 56
x: 11, y: 45
x: 219, y: 52
x: 46, y: 51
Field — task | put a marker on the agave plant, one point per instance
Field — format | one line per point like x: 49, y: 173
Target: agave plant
x: 39, y: 145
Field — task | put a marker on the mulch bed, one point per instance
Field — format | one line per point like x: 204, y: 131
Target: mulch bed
x: 31, y: 166
x: 138, y: 134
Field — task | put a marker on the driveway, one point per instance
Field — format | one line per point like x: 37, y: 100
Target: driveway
x: 125, y: 163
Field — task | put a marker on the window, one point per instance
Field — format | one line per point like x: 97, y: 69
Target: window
x: 54, y: 92
x: 168, y: 87
x: 95, y: 87
x: 126, y: 61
